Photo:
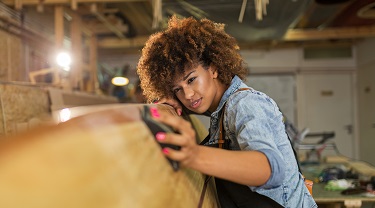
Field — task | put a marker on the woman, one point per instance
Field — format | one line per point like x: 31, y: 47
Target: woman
x: 195, y: 65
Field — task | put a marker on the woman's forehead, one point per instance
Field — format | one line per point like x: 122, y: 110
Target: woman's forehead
x: 179, y: 74
x: 182, y: 76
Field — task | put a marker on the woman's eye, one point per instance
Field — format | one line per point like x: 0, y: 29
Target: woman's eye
x: 191, y: 80
x: 175, y: 91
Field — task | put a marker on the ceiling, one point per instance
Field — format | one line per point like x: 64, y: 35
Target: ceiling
x: 122, y: 26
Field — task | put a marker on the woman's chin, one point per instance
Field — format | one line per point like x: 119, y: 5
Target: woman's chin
x: 197, y: 111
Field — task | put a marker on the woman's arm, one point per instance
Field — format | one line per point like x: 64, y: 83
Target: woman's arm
x: 245, y: 167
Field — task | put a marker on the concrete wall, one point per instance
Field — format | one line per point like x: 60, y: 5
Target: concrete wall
x: 366, y: 99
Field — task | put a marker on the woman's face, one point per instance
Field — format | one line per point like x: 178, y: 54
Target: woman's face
x: 199, y: 90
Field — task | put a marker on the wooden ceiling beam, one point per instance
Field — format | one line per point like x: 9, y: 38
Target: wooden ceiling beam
x: 109, y: 25
x: 20, y: 3
x: 59, y: 27
x: 292, y: 35
x: 329, y: 33
x: 100, y: 29
x: 136, y: 42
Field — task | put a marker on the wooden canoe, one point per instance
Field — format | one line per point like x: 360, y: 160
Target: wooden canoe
x: 102, y: 157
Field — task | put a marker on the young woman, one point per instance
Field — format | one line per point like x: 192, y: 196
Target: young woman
x: 195, y: 65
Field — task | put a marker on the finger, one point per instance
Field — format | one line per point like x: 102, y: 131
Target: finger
x: 177, y: 123
x: 177, y: 107
x: 179, y: 111
x: 172, y: 102
x: 171, y: 138
x: 176, y: 155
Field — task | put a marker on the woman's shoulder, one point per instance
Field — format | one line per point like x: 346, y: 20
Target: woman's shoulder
x: 250, y: 99
x: 248, y: 94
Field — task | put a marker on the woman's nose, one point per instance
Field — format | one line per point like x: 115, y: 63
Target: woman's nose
x: 188, y: 92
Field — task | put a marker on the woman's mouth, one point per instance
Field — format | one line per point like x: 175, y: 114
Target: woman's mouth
x: 196, y: 103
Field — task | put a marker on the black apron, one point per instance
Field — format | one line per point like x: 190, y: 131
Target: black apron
x: 232, y: 194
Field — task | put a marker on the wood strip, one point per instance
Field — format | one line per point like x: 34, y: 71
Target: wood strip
x: 35, y: 2
x: 329, y: 33
x: 102, y: 158
x: 59, y: 27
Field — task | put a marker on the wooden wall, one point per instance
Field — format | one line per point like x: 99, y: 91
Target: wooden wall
x: 22, y: 107
x: 11, y: 58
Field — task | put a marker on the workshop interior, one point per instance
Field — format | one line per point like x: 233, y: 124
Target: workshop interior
x: 68, y: 64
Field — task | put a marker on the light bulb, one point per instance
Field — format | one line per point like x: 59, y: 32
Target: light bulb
x: 120, y: 81
x: 64, y: 60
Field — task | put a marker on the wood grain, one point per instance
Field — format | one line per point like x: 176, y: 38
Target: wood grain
x: 107, y: 158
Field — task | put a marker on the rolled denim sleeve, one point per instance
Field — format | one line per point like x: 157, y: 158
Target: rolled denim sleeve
x: 277, y: 169
x: 256, y: 122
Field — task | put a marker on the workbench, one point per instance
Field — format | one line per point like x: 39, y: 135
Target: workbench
x: 328, y: 198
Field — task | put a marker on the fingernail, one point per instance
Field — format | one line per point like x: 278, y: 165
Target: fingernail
x: 160, y: 136
x: 165, y: 151
x: 154, y: 112
x: 179, y: 112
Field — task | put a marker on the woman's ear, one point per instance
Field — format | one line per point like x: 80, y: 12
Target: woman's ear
x: 213, y: 71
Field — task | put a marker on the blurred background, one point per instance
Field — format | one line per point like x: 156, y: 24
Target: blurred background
x: 314, y: 57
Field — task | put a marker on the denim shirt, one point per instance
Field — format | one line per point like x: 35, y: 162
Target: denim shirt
x: 252, y: 121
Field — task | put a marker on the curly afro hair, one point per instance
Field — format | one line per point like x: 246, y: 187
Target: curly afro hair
x: 185, y: 44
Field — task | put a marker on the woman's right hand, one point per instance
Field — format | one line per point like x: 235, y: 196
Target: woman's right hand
x: 172, y: 102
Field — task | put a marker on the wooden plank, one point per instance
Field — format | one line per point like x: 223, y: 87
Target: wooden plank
x: 329, y: 33
x: 335, y: 159
x: 105, y: 158
x: 4, y: 55
x: 123, y: 43
x: 18, y: 4
x: 362, y: 168
x: 77, y: 53
x: 59, y: 27
x: 109, y: 25
x: 99, y: 28
x: 35, y: 2
x: 93, y: 85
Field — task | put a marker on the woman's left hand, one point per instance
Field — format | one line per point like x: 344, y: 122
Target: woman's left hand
x: 172, y: 102
x: 185, y: 138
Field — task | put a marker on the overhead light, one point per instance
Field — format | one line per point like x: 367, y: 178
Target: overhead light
x: 64, y: 60
x: 120, y: 81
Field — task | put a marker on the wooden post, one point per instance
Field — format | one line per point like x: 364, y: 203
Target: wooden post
x: 59, y: 35
x: 93, y: 85
x: 59, y: 27
x: 76, y: 38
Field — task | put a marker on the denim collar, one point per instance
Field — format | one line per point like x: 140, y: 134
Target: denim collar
x: 233, y: 87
